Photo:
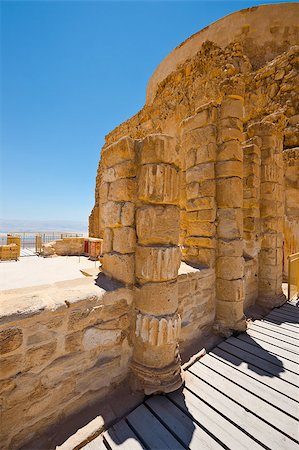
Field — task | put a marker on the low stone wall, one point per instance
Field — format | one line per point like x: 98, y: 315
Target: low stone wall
x: 197, y: 304
x: 61, y: 348
x: 70, y: 246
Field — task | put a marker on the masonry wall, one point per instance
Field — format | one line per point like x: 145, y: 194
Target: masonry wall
x: 61, y: 348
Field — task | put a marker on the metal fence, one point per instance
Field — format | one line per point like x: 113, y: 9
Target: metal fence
x: 28, y: 239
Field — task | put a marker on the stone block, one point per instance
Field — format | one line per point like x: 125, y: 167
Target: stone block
x: 206, y: 153
x: 159, y: 184
x: 201, y: 203
x: 231, y: 122
x: 110, y: 214
x: 37, y: 357
x: 229, y: 312
x: 107, y: 240
x: 11, y: 365
x: 157, y: 263
x: 200, y: 173
x: 124, y: 240
x: 207, y: 114
x: 206, y: 257
x: 157, y: 298
x: 206, y: 229
x: 230, y: 150
x: 73, y: 342
x: 230, y: 267
x: 230, y: 290
x: 229, y: 193
x: 230, y: 247
x: 200, y: 242
x: 271, y: 240
x: 205, y: 215
x: 227, y: 134
x: 197, y: 137
x: 118, y: 152
x: 95, y: 338
x: 232, y: 107
x: 127, y: 217
x: 158, y: 225
x: 229, y: 169
x: 159, y: 148
x: 10, y: 340
x: 126, y: 169
x: 103, y: 192
x: 120, y: 267
x: 123, y: 190
x: 230, y: 223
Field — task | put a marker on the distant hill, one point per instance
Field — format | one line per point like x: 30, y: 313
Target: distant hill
x: 14, y: 225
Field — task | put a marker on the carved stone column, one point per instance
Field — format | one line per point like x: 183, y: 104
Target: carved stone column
x: 229, y: 197
x: 117, y: 212
x: 156, y: 360
x: 271, y: 211
x: 198, y: 135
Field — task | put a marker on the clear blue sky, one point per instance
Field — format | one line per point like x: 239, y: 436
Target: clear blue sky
x: 72, y: 71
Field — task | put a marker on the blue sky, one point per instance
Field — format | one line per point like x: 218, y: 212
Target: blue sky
x: 71, y: 72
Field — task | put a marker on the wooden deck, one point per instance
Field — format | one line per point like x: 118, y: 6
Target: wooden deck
x: 242, y: 395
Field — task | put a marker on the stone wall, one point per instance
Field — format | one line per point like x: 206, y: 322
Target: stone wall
x: 61, y: 348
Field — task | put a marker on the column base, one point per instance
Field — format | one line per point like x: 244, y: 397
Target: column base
x: 157, y: 381
x: 226, y: 329
x: 271, y: 302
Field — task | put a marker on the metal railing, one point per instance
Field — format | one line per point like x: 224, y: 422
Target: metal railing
x: 293, y: 276
x: 33, y: 241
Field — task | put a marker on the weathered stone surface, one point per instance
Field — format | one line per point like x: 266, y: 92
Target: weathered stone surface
x: 120, y: 151
x: 230, y: 268
x: 126, y: 169
x: 230, y: 223
x: 159, y: 148
x: 124, y: 240
x: 230, y: 290
x: 127, y: 214
x: 157, y: 298
x: 120, y: 267
x: 232, y: 107
x: 123, y: 190
x: 10, y: 339
x: 229, y: 151
x: 94, y: 338
x: 111, y: 214
x: 157, y: 263
x: 159, y: 184
x: 158, y: 225
x: 229, y: 193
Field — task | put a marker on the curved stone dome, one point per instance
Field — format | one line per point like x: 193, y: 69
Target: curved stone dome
x: 264, y: 31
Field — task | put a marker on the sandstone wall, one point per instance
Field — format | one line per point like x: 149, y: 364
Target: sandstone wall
x: 69, y: 246
x: 61, y: 348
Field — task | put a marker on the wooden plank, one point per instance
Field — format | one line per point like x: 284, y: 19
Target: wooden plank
x: 272, y: 340
x: 120, y: 436
x: 181, y: 425
x: 233, y: 369
x: 244, y: 419
x: 259, y: 407
x: 153, y: 433
x: 96, y: 444
x: 204, y: 415
x: 274, y: 334
x: 291, y: 308
x: 282, y: 326
x: 277, y: 329
x: 262, y: 359
x: 269, y: 347
x: 287, y: 317
x: 282, y: 320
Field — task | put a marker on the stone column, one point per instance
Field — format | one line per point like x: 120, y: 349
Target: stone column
x: 198, y: 136
x: 156, y: 360
x: 271, y: 212
x: 251, y: 216
x: 229, y: 197
x: 118, y: 196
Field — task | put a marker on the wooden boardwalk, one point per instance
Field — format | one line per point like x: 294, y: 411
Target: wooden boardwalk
x: 242, y: 395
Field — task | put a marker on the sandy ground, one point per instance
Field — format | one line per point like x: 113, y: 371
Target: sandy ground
x: 34, y: 270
